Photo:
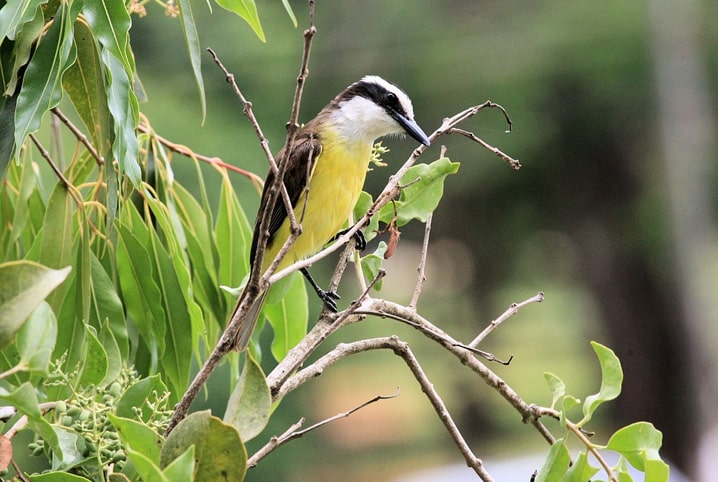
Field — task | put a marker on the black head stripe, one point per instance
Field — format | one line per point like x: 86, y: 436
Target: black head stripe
x: 374, y: 92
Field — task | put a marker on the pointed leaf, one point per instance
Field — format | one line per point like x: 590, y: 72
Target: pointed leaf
x: 25, y: 284
x: 195, y: 55
x: 36, y: 339
x: 42, y: 83
x: 94, y: 367
x: 84, y: 83
x: 611, y: 380
x: 249, y: 405
x: 289, y: 317
x: 124, y: 109
x: 14, y: 14
x: 110, y: 22
x: 558, y: 388
x: 233, y: 236
x: 248, y: 11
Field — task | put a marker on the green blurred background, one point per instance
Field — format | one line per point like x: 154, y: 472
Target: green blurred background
x: 612, y: 215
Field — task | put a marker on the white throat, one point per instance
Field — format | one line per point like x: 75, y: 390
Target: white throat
x: 361, y: 120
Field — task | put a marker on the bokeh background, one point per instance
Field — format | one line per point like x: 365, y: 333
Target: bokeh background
x: 613, y: 214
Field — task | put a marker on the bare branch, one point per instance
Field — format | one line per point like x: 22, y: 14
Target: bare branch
x: 421, y: 278
x: 273, y: 443
x: 512, y: 310
x: 402, y: 350
x: 288, y: 436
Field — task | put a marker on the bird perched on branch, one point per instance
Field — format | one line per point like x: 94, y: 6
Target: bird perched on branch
x: 327, y: 164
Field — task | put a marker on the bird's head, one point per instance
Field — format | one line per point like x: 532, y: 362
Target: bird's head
x: 372, y: 108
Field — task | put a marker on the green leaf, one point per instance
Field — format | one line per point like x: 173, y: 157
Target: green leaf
x: 248, y: 11
x: 124, y: 110
x: 290, y: 12
x: 14, y: 14
x: 611, y: 380
x: 136, y: 396
x: 41, y: 87
x: 372, y: 263
x: 195, y: 55
x: 656, y: 471
x: 233, y: 235
x: 106, y: 308
x: 22, y: 49
x: 110, y: 22
x: 36, y: 339
x: 138, y: 436
x: 140, y: 291
x: 580, y: 470
x: 84, y: 83
x: 25, y: 284
x: 289, y: 317
x: 558, y: 388
x: 556, y: 464
x: 25, y: 401
x: 219, y: 451
x: 360, y: 208
x: 57, y: 476
x: 182, y: 468
x: 424, y: 187
x: 69, y: 453
x: 94, y: 366
x: 146, y: 468
x: 250, y: 403
x: 7, y: 136
x: 637, y: 442
x: 57, y: 235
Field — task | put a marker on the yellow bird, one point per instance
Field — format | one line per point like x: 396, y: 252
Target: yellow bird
x: 330, y: 155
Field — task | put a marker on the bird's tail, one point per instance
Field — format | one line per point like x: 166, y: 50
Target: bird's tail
x: 250, y: 321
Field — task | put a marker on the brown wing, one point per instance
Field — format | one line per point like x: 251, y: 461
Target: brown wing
x: 301, y: 161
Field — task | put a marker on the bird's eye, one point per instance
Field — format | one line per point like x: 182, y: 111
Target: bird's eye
x: 391, y: 98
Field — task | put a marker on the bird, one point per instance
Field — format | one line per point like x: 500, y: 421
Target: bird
x: 327, y: 165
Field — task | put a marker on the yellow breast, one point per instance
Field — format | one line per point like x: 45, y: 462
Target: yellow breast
x: 334, y: 188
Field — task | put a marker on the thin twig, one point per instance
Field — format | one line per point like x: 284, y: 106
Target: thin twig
x: 273, y: 443
x: 256, y: 180
x: 79, y: 135
x: 276, y: 442
x: 512, y: 310
x: 498, y: 152
x: 46, y: 155
x: 421, y: 269
x: 383, y: 308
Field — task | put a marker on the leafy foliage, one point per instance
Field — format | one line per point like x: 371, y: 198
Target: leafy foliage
x: 637, y: 443
x: 112, y: 271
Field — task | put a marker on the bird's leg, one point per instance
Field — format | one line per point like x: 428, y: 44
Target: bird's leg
x: 328, y: 297
x: 358, y: 236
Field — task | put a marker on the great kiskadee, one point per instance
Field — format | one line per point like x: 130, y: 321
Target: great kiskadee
x: 327, y: 164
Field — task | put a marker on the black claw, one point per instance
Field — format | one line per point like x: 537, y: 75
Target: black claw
x: 328, y: 297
